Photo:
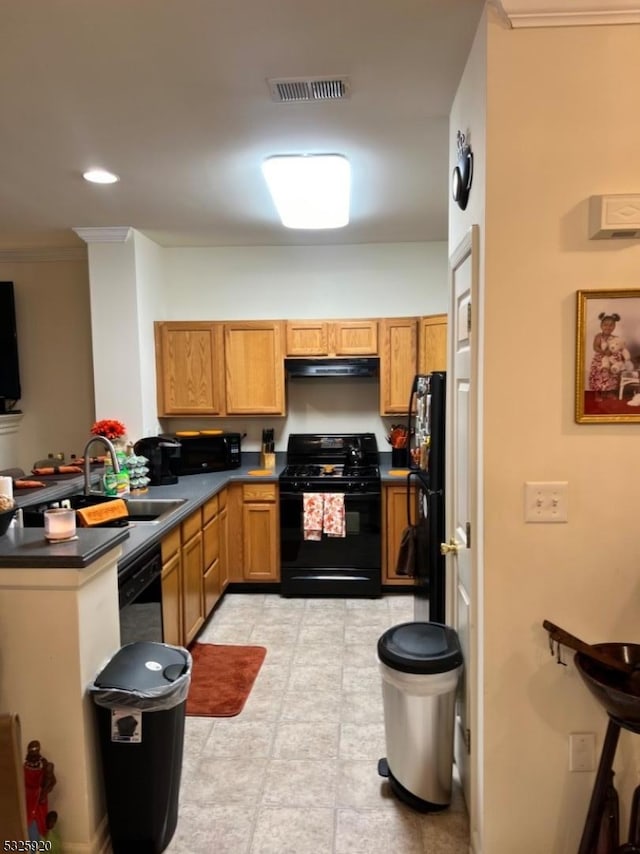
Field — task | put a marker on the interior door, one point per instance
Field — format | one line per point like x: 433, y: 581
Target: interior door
x: 462, y: 529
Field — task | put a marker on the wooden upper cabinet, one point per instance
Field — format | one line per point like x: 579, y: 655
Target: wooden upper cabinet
x: 355, y: 337
x: 398, y: 363
x: 432, y: 344
x: 254, y: 364
x: 189, y: 368
x: 332, y: 337
x: 307, y: 338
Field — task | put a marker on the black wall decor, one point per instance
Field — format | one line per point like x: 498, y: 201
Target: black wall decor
x: 9, y: 371
x: 463, y: 172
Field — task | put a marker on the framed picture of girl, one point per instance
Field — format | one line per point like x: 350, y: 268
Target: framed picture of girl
x: 608, y: 357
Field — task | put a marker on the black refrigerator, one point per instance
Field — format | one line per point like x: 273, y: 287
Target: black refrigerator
x: 427, y: 436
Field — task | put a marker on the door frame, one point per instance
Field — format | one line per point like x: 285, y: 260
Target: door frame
x: 467, y: 253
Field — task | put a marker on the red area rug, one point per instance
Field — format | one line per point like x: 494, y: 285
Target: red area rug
x: 221, y: 678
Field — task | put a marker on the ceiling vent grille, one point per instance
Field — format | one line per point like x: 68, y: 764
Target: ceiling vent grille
x: 288, y: 90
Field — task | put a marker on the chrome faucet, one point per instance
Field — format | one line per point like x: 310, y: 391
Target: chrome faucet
x: 87, y: 465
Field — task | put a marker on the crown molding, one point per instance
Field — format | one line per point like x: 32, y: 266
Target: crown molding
x: 44, y: 253
x: 568, y: 13
x: 113, y: 234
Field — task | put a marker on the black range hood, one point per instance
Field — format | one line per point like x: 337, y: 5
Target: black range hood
x: 350, y: 366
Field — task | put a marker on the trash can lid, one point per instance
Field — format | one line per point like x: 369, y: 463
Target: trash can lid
x: 143, y: 666
x: 420, y: 648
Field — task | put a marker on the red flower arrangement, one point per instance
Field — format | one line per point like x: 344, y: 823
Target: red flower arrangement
x: 109, y: 428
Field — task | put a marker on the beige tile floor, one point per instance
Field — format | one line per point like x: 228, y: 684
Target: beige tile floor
x: 296, y: 771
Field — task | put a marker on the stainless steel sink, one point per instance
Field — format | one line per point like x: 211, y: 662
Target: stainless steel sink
x: 142, y: 511
x: 152, y: 510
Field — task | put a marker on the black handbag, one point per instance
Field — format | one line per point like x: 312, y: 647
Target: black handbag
x: 407, y: 553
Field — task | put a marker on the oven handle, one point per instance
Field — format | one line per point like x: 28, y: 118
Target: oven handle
x: 347, y: 495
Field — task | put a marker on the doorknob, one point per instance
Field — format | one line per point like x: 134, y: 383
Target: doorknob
x: 451, y: 547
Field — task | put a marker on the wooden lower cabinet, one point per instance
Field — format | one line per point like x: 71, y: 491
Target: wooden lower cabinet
x: 195, y: 570
x: 172, y: 588
x: 394, y: 509
x: 211, y: 553
x: 260, y: 532
x: 214, y: 532
x: 223, y: 531
x: 192, y: 563
x: 252, y: 533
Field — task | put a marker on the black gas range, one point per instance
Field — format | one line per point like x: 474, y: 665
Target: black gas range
x: 330, y: 515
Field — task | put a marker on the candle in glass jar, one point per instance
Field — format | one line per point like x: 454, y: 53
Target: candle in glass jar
x: 59, y: 523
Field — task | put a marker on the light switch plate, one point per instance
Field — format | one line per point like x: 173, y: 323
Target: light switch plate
x: 582, y: 751
x: 546, y: 501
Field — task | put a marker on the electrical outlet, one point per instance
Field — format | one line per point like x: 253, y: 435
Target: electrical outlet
x: 546, y: 501
x: 582, y: 751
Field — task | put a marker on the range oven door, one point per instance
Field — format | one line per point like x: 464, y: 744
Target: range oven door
x: 331, y: 566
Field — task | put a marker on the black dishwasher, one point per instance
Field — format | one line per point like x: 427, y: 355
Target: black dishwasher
x: 140, y: 597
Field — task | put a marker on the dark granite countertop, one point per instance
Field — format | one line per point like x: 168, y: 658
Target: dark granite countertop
x: 26, y: 546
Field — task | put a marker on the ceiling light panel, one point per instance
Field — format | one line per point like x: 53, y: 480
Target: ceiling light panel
x: 310, y: 191
x: 100, y: 176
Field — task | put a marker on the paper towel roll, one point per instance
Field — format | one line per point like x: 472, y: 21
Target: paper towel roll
x: 6, y: 486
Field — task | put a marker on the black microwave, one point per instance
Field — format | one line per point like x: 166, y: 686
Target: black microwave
x: 206, y: 453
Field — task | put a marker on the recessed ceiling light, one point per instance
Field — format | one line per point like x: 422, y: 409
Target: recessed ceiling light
x: 100, y: 176
x: 310, y: 190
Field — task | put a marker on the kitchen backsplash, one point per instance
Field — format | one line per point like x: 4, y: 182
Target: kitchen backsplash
x: 327, y: 405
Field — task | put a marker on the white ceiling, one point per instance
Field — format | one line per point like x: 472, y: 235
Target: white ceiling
x: 172, y: 96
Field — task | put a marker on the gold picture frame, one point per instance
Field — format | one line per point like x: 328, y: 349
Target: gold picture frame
x: 608, y: 357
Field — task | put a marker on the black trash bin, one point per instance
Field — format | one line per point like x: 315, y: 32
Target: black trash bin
x: 420, y: 664
x: 140, y: 698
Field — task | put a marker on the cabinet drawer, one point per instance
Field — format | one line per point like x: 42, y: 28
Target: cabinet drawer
x: 170, y: 544
x: 191, y: 526
x: 259, y: 491
x: 210, y: 509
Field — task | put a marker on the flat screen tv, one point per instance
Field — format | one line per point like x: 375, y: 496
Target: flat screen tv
x: 9, y: 369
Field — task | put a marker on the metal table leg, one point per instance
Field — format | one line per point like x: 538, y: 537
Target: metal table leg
x: 598, y: 796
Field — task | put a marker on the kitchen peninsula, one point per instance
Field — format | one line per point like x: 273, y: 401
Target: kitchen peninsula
x: 59, y: 624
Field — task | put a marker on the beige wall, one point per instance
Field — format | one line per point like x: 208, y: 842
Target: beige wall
x: 359, y: 280
x: 54, y: 340
x: 135, y: 282
x: 559, y: 127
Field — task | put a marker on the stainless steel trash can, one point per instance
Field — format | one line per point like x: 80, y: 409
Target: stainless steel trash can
x: 420, y: 664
